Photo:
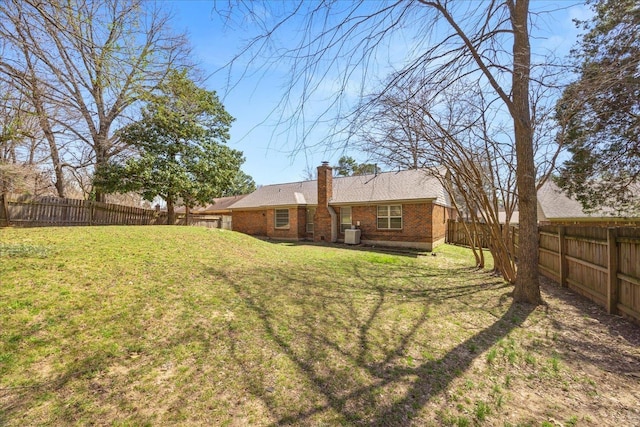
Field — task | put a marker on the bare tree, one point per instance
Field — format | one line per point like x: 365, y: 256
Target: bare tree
x: 422, y: 125
x: 308, y: 173
x: 390, y: 126
x: 89, y: 61
x: 27, y: 82
x: 20, y: 141
x: 457, y: 130
x: 450, y: 41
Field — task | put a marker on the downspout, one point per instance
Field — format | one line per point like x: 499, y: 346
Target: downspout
x: 334, y: 224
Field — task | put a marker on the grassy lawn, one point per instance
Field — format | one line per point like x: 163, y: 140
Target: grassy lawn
x: 184, y: 325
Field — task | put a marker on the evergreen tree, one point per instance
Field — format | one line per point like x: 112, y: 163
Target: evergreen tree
x: 182, y: 156
x: 600, y: 112
x: 347, y: 166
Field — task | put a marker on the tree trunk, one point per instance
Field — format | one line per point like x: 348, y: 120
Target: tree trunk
x: 171, y: 216
x: 43, y: 120
x: 527, y: 286
x: 53, y: 148
x: 101, y: 160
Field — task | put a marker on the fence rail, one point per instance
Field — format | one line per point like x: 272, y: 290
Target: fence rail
x: 478, y: 234
x: 47, y: 211
x: 26, y: 211
x: 601, y: 263
x: 456, y: 234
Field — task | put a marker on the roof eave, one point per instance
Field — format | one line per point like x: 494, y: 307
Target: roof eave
x: 383, y: 201
x: 592, y: 218
x: 262, y: 207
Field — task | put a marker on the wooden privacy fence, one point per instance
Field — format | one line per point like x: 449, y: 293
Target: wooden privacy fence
x: 26, y: 211
x: 48, y: 211
x: 456, y: 234
x: 480, y: 235
x: 207, y: 221
x: 601, y: 263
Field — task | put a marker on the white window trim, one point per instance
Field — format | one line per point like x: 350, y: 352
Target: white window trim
x: 275, y: 219
x: 388, y: 217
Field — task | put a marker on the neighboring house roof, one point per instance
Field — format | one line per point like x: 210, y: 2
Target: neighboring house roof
x: 554, y: 204
x: 405, y: 185
x: 502, y: 217
x: 219, y: 205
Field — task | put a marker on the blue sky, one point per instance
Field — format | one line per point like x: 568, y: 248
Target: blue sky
x: 274, y: 158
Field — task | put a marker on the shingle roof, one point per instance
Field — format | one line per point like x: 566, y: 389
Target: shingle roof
x: 381, y: 187
x: 388, y: 186
x: 219, y: 204
x: 222, y: 203
x: 555, y: 204
x: 293, y: 193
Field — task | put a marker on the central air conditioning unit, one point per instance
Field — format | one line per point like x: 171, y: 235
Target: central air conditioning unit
x: 352, y: 236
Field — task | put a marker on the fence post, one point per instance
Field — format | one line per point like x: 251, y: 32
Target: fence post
x: 5, y: 208
x: 612, y: 270
x: 562, y: 253
x: 90, y: 211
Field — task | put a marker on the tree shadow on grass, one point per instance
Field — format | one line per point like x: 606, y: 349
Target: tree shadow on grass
x: 353, y: 347
x: 14, y: 400
x: 590, y: 336
x: 389, y: 250
x: 433, y: 377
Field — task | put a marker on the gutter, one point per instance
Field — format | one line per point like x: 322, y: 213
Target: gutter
x: 384, y: 202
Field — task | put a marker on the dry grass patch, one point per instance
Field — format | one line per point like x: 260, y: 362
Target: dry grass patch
x: 188, y: 326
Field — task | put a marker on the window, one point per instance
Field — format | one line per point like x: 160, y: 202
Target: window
x: 390, y: 217
x: 282, y: 218
x: 311, y: 212
x: 345, y: 218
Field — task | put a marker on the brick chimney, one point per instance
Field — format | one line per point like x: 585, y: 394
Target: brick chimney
x: 324, y: 227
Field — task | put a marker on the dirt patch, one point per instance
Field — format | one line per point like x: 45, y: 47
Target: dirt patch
x: 587, y: 367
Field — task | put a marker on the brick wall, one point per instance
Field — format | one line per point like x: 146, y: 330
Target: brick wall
x: 422, y: 223
x: 322, y: 219
x: 262, y: 223
x: 290, y: 233
x: 253, y: 223
x: 416, y: 220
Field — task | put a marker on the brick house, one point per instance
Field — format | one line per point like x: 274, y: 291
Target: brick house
x: 405, y: 208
